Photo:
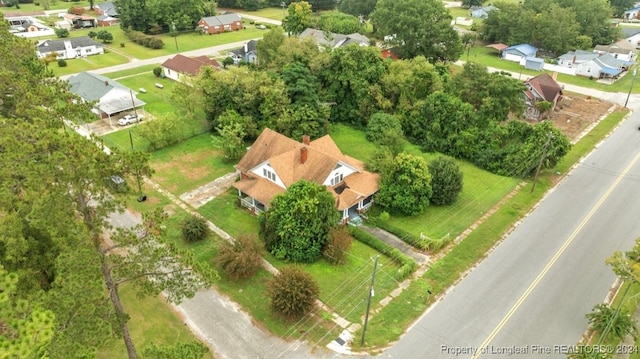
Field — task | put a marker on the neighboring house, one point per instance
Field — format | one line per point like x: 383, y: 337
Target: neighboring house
x: 533, y: 63
x: 632, y: 14
x: 541, y: 88
x: 27, y: 26
x: 107, y: 8
x: 333, y: 41
x: 481, y: 12
x: 274, y: 162
x: 70, y: 48
x: 106, y: 20
x: 247, y: 53
x: 632, y: 35
x: 604, y: 66
x: 389, y: 54
x: 180, y: 66
x: 221, y: 23
x: 110, y: 97
x: 517, y: 53
x: 573, y: 58
x: 622, y: 50
x: 81, y: 21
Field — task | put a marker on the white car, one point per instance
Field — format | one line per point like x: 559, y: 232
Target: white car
x: 129, y: 119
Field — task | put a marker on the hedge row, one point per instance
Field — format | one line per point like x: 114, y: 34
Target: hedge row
x: 410, y: 239
x: 141, y: 38
x: 407, y: 265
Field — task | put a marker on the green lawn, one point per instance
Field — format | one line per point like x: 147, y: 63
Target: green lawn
x: 188, y: 165
x: 489, y: 57
x: 226, y: 214
x: 159, y: 102
x: 481, y: 190
x: 53, y: 5
x: 107, y: 59
x: 117, y: 75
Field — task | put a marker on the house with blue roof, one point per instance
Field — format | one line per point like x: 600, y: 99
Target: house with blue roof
x: 603, y: 67
x: 518, y: 53
x: 481, y: 12
x: 573, y: 58
x: 533, y: 63
x: 632, y: 14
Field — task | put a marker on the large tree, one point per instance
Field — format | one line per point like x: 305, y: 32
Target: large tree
x: 418, y: 27
x: 296, y: 226
x: 55, y: 202
x: 298, y: 17
x: 405, y: 187
x: 357, y: 7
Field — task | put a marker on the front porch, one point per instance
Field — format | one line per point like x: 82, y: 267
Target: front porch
x: 354, y: 214
x: 250, y: 203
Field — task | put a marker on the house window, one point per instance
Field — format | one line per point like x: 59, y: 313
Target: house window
x: 227, y: 27
x: 88, y: 50
x: 268, y: 174
x: 337, y: 179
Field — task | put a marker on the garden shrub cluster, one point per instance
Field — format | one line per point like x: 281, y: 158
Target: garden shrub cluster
x: 407, y: 265
x: 141, y: 38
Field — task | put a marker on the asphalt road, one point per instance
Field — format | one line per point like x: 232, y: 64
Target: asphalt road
x: 532, y: 292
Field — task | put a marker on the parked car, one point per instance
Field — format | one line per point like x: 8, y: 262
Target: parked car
x: 118, y: 183
x: 129, y: 119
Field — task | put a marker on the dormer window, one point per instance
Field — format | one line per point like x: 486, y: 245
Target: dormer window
x: 337, y: 179
x: 268, y: 174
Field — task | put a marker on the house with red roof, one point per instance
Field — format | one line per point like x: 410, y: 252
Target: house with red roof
x: 274, y: 162
x: 180, y: 67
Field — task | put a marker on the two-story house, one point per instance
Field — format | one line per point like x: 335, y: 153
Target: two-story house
x: 274, y: 162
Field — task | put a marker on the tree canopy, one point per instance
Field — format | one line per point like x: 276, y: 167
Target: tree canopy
x: 418, y: 27
x: 298, y: 17
x: 296, y: 226
x: 406, y: 187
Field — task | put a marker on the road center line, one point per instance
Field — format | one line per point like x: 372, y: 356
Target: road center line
x: 553, y: 260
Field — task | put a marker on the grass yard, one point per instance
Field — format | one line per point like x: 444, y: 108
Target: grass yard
x: 152, y: 321
x: 226, y: 214
x: 136, y: 71
x: 481, y: 189
x: 159, y: 102
x: 489, y: 57
x: 53, y: 5
x: 107, y: 59
x: 188, y: 165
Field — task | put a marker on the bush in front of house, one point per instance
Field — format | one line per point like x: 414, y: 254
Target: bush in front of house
x: 62, y: 33
x: 241, y: 259
x: 62, y: 63
x: 446, y: 180
x: 194, y: 229
x: 293, y: 292
x: 155, y: 43
x: 157, y: 71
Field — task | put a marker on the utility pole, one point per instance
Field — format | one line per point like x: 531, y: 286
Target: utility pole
x: 544, y: 154
x: 633, y: 79
x: 366, y: 315
x: 175, y: 34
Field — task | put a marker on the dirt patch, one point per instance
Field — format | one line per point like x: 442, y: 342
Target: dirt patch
x: 190, y: 166
x: 576, y: 113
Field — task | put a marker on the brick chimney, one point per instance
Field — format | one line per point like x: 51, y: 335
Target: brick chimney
x: 305, y: 140
x: 106, y: 83
x: 303, y: 155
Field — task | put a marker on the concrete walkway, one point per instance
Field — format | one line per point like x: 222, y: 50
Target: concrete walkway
x: 203, y: 194
x: 397, y: 243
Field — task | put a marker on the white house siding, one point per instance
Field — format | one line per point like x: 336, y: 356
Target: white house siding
x: 512, y: 57
x: 171, y: 74
x: 345, y: 170
x: 560, y: 69
x: 258, y: 170
x: 588, y: 69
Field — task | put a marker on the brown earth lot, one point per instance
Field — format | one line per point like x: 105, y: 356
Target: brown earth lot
x: 576, y: 113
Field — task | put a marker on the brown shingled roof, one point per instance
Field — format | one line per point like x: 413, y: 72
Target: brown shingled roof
x: 546, y: 86
x: 188, y: 65
x: 284, y: 156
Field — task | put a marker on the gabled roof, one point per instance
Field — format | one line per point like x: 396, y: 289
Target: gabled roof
x: 334, y: 40
x: 247, y: 48
x: 58, y: 45
x: 546, y: 87
x: 226, y: 19
x: 284, y: 156
x: 579, y: 56
x: 525, y: 49
x: 620, y: 47
x: 498, y: 46
x: 627, y: 32
x: 108, y: 7
x: 188, y: 65
x: 92, y: 87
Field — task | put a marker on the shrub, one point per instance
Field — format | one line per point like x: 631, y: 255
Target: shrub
x: 338, y: 245
x: 381, y: 122
x: 76, y: 10
x: 62, y: 33
x: 122, y: 44
x: 155, y: 43
x: 446, y: 180
x: 62, y: 63
x: 242, y: 258
x: 194, y: 229
x: 407, y: 265
x: 144, y: 41
x: 92, y: 34
x: 293, y: 292
x: 157, y: 71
